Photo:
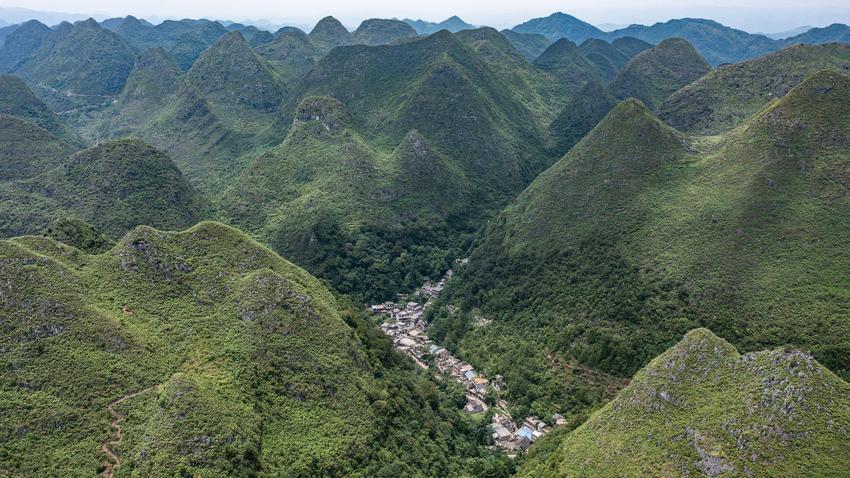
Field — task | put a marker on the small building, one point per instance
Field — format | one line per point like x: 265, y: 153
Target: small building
x: 526, y: 432
x: 500, y: 433
x: 470, y: 374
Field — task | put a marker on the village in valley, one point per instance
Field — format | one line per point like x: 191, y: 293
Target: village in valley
x: 404, y: 323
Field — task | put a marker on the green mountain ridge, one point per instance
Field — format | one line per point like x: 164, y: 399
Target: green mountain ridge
x: 640, y: 233
x: 378, y: 31
x: 16, y: 99
x: 655, y: 74
x: 711, y: 411
x: 229, y: 359
x: 725, y: 97
x: 85, y: 65
x: 21, y: 44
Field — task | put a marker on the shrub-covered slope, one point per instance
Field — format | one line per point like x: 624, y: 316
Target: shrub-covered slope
x: 219, y: 359
x: 658, y: 72
x: 115, y: 186
x: 16, y: 99
x: 83, y: 65
x: 377, y: 31
x: 640, y: 233
x: 21, y: 44
x: 478, y: 111
x: 725, y: 97
x: 702, y: 409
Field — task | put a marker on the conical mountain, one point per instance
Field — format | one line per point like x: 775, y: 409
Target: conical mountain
x: 438, y: 94
x: 453, y: 24
x: 630, y: 46
x: 604, y: 56
x: 717, y: 43
x: 626, y: 147
x: 378, y: 31
x: 474, y: 115
x: 727, y: 96
x: 203, y: 145
x: 21, y: 44
x: 16, y: 99
x: 153, y: 78
x: 140, y: 34
x: 560, y: 25
x: 89, y: 64
x: 325, y: 186
x: 713, y: 412
x: 118, y: 185
x: 186, y: 48
x: 261, y: 38
x: 291, y: 54
x: 27, y: 150
x: 330, y: 33
x: 655, y: 74
x: 530, y: 45
x: 586, y: 109
x: 239, y: 83
x: 571, y: 69
x: 151, y: 86
x: 639, y: 233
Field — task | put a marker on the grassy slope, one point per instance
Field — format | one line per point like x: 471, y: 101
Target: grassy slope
x: 657, y: 73
x: 725, y: 97
x: 639, y: 234
x: 258, y: 367
x: 701, y: 408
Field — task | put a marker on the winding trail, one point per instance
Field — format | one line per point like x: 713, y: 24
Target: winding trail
x: 113, y: 462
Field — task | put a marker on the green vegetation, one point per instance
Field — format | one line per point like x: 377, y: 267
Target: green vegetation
x: 453, y: 24
x: 657, y: 73
x: 115, y: 186
x: 568, y: 65
x: 83, y: 66
x: 701, y: 408
x: 78, y: 233
x: 641, y: 233
x: 27, y: 149
x: 380, y: 32
x: 716, y: 43
x: 529, y: 45
x: 16, y: 99
x: 587, y: 108
x: 560, y: 25
x: 329, y: 33
x: 376, y: 189
x: 235, y: 362
x: 21, y: 44
x: 727, y: 96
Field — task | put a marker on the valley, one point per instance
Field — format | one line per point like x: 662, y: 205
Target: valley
x: 403, y: 323
x: 415, y: 248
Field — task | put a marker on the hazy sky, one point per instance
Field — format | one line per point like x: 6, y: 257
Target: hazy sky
x: 752, y: 15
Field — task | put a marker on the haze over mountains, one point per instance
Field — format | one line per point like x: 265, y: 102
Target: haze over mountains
x: 646, y: 229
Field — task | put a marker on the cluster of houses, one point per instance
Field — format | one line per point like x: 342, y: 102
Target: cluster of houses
x: 404, y: 324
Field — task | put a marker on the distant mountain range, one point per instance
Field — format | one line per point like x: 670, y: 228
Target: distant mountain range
x: 452, y: 24
x: 715, y: 42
